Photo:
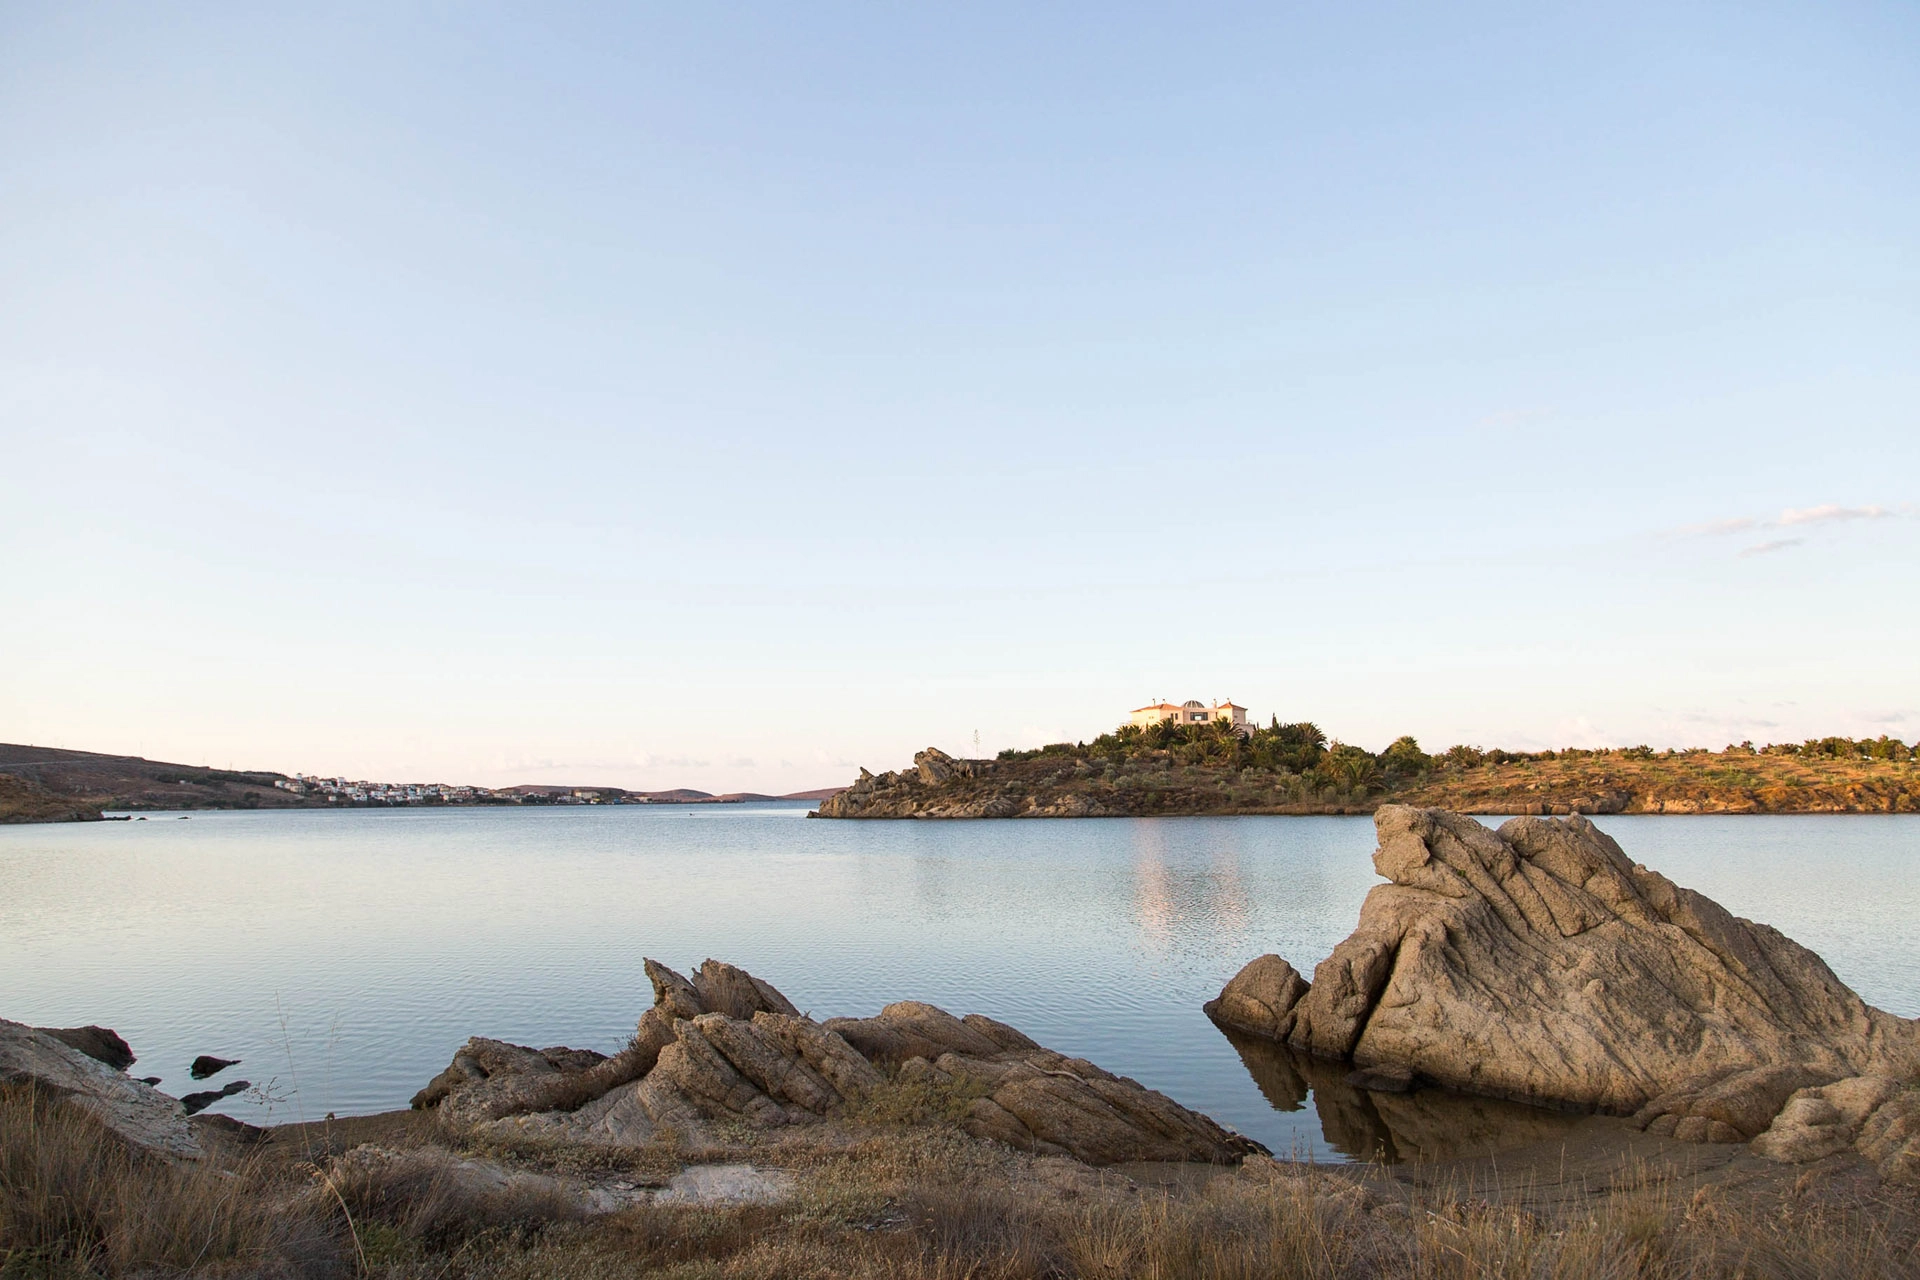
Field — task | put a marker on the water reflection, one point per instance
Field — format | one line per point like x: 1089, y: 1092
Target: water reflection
x: 1184, y: 874
x: 1389, y: 1128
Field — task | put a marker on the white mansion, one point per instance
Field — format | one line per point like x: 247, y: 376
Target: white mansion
x: 1190, y: 712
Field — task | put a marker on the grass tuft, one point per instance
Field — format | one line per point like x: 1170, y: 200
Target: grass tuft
x: 76, y: 1200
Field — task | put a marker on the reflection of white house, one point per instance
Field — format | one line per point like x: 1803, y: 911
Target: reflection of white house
x: 1190, y: 712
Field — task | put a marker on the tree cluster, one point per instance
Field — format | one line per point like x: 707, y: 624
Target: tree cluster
x: 1300, y: 749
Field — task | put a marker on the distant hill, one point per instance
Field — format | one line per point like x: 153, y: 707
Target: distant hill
x: 51, y: 784
x: 678, y: 795
x: 822, y: 793
x: 92, y: 780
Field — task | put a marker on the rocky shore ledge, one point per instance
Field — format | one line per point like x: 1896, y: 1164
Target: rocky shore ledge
x: 724, y: 1049
x: 1540, y: 963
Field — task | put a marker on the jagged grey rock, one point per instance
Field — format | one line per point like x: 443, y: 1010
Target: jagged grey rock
x: 1540, y: 963
x: 725, y: 1046
x: 137, y: 1112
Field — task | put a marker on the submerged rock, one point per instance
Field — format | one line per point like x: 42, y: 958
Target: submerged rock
x: 195, y: 1103
x: 725, y: 1047
x: 207, y: 1065
x: 1540, y: 963
x: 137, y: 1112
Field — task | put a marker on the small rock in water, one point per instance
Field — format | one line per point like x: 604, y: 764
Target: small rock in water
x: 149, y: 1079
x: 198, y: 1102
x: 207, y: 1065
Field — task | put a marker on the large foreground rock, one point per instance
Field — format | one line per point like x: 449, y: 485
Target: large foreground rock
x: 137, y: 1112
x: 1540, y: 963
x: 724, y: 1048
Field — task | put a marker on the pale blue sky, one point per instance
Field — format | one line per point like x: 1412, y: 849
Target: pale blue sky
x: 727, y: 395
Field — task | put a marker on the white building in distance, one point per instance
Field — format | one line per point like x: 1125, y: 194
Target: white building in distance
x: 1191, y: 711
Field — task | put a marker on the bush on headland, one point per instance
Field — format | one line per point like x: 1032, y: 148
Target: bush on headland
x: 1304, y: 748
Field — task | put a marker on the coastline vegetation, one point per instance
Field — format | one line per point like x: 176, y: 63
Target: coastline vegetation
x: 1210, y: 768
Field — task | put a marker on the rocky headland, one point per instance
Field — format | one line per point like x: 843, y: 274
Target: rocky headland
x: 1291, y: 769
x: 1540, y: 963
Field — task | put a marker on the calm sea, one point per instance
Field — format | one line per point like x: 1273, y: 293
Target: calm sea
x: 344, y: 956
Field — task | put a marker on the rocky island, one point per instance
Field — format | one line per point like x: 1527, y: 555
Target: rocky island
x: 1172, y: 770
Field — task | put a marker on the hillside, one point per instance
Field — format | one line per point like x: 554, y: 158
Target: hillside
x: 47, y: 784
x: 22, y: 800
x: 1204, y: 769
x: 131, y: 782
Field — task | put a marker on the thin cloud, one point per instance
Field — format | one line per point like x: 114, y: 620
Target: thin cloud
x: 1714, y: 528
x: 1797, y: 518
x: 1830, y: 512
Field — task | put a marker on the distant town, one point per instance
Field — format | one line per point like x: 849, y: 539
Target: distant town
x: 311, y: 788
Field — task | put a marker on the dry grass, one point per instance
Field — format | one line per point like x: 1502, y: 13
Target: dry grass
x: 1238, y: 1229
x: 919, y: 1203
x: 410, y: 1205
x: 76, y: 1201
x: 650, y: 1165
x: 918, y: 1098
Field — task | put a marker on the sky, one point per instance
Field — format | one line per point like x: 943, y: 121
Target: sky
x: 731, y: 396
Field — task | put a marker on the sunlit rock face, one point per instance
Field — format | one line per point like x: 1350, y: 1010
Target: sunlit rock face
x: 1538, y: 962
x: 724, y: 1048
